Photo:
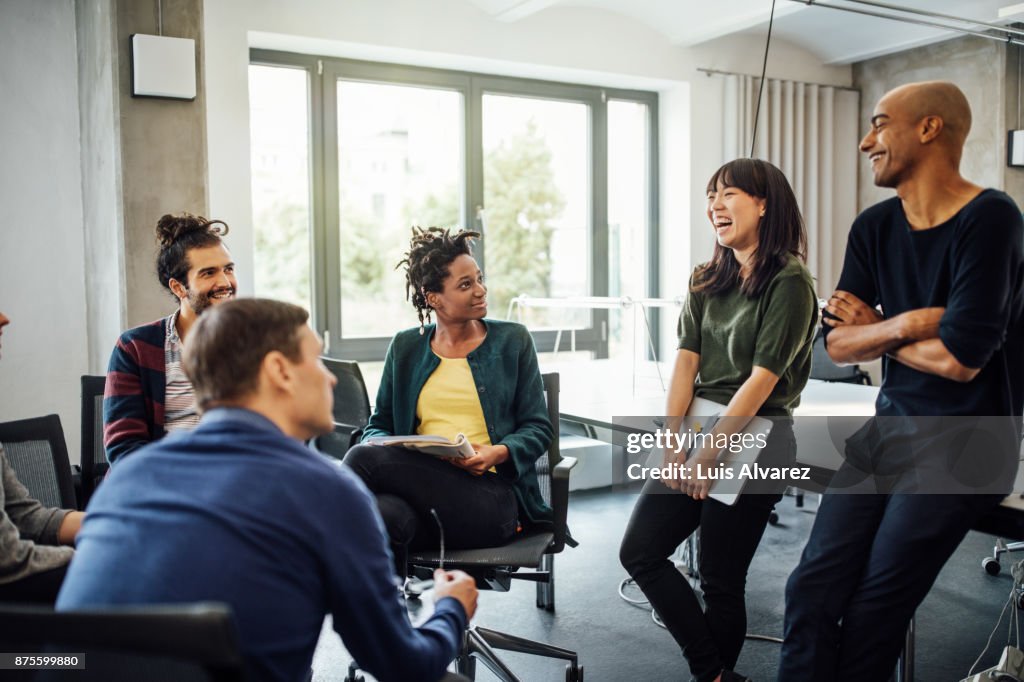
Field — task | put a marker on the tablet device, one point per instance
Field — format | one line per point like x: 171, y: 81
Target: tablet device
x: 701, y: 418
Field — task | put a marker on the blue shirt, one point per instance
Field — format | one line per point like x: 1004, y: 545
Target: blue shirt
x: 238, y: 512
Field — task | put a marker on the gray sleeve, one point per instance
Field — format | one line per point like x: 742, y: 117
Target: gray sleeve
x: 23, y: 523
x: 32, y: 520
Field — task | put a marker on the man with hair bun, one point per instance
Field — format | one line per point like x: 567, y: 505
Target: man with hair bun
x: 147, y: 392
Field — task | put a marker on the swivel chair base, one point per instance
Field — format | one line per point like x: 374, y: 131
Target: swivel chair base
x: 480, y: 643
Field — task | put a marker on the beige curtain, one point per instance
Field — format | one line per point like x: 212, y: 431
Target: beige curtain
x: 811, y: 133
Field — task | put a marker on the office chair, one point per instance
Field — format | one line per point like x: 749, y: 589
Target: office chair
x: 37, y: 451
x: 94, y: 456
x: 172, y: 643
x: 351, y: 408
x: 495, y: 567
x: 824, y: 369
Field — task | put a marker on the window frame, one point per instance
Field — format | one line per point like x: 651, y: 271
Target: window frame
x: 325, y: 230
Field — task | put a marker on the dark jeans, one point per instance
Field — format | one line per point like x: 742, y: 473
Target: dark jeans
x: 869, y: 563
x: 475, y: 511
x: 729, y: 535
x: 41, y: 588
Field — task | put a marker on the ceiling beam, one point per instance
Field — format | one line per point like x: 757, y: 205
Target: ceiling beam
x: 728, y: 24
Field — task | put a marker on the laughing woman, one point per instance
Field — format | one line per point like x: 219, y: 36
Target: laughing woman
x: 745, y: 338
x: 463, y: 374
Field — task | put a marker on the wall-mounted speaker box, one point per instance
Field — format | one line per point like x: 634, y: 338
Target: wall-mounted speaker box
x: 163, y: 67
x: 1015, y: 148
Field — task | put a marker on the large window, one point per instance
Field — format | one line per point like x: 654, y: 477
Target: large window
x: 348, y: 156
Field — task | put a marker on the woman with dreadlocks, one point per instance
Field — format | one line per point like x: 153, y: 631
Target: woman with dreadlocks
x: 464, y: 374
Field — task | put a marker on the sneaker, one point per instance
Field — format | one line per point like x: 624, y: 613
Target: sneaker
x: 730, y: 676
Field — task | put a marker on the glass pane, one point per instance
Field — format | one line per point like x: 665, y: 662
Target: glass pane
x: 537, y: 198
x: 400, y: 163
x: 628, y: 211
x: 279, y: 125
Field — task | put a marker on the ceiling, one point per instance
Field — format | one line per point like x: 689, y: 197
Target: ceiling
x: 836, y: 37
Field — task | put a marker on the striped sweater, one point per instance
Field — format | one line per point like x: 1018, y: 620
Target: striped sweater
x: 133, y: 398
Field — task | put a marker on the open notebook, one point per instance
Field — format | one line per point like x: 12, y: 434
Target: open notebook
x: 438, y: 446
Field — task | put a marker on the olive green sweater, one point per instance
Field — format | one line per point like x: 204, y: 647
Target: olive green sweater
x: 732, y: 333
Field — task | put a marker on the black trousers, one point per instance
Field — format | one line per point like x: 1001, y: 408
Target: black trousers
x: 868, y: 564
x: 475, y: 511
x: 41, y: 588
x: 710, y: 639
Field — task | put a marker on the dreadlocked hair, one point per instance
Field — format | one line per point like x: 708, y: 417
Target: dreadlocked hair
x: 431, y: 252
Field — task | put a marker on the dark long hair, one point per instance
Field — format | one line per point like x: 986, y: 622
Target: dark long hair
x: 780, y: 234
x: 431, y: 251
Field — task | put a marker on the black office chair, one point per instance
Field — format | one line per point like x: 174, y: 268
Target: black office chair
x: 172, y: 643
x: 94, y: 457
x: 824, y: 369
x: 351, y: 408
x: 495, y: 567
x: 37, y: 451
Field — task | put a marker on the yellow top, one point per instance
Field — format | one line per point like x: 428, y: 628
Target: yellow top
x: 449, y: 404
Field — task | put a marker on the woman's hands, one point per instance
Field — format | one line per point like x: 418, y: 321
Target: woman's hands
x: 486, y: 456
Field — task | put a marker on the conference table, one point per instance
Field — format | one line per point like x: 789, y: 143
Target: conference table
x: 617, y: 397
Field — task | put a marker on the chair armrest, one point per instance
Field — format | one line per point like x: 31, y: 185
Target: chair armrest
x: 560, y: 501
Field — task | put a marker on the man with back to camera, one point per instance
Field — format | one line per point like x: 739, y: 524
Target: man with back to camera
x: 240, y: 511
x: 34, y: 540
x: 944, y: 259
x: 147, y: 393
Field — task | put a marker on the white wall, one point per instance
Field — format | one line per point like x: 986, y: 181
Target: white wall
x: 567, y: 44
x: 42, y: 275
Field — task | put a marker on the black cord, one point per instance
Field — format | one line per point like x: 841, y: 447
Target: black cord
x: 760, y: 89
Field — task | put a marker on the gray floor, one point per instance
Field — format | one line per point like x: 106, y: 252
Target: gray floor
x: 617, y: 641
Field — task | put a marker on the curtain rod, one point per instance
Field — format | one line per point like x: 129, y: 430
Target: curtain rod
x: 922, y: 22
x: 719, y: 72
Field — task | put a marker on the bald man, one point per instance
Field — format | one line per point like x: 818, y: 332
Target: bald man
x: 932, y: 284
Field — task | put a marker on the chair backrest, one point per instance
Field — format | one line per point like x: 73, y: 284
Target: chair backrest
x: 168, y: 642
x: 824, y: 369
x: 37, y: 451
x: 351, y: 407
x: 94, y: 456
x: 550, y: 459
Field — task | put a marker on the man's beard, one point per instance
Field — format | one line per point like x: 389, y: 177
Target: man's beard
x: 199, y: 301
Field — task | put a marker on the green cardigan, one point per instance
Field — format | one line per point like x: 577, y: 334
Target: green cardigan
x: 511, y: 394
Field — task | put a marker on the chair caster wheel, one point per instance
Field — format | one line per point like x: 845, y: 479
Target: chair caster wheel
x: 773, y: 518
x: 573, y: 673
x: 991, y: 565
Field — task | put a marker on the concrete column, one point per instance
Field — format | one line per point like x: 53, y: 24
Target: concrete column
x: 163, y: 153
x: 102, y: 210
